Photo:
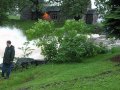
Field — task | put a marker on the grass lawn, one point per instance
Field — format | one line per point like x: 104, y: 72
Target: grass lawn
x: 17, y: 17
x: 21, y: 24
x: 97, y: 73
x: 14, y: 21
x: 25, y: 24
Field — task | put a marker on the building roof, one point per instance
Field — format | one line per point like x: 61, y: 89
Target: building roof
x: 51, y: 8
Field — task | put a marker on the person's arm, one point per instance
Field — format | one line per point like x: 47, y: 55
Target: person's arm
x: 12, y: 53
x: 5, y: 53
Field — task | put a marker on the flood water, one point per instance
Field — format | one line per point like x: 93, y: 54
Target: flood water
x: 17, y: 38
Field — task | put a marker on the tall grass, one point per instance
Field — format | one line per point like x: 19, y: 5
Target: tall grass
x: 96, y: 73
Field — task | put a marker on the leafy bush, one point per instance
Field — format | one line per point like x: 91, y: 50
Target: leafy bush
x: 49, y: 51
x: 27, y: 51
x: 66, y: 44
x: 80, y: 26
x: 41, y: 30
x: 74, y: 49
x: 97, y: 28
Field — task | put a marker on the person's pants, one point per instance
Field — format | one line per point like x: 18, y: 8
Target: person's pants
x: 6, y: 69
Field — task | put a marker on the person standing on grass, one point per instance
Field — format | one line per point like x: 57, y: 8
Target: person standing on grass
x: 8, y: 60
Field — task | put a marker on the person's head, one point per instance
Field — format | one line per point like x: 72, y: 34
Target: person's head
x: 8, y: 43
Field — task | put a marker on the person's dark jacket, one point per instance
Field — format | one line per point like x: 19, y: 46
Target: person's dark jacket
x: 9, y: 55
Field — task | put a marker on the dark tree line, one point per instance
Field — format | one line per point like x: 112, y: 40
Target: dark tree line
x: 112, y: 19
x: 68, y: 7
x: 109, y: 10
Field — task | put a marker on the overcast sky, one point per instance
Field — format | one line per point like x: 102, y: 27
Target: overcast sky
x: 93, y: 6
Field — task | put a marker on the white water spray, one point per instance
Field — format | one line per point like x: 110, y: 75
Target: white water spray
x: 17, y: 38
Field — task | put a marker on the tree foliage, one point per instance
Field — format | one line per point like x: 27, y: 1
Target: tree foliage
x: 102, y: 7
x: 109, y: 10
x: 5, y: 6
x: 112, y: 19
x: 55, y: 2
x: 71, y: 8
x: 75, y: 7
x: 11, y: 6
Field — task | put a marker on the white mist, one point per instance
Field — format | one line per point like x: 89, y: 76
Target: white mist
x: 17, y: 38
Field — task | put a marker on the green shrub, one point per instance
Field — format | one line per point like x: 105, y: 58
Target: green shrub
x: 49, y: 50
x: 74, y: 49
x: 97, y: 28
x: 102, y: 49
x: 80, y: 26
x: 66, y: 44
x: 41, y: 30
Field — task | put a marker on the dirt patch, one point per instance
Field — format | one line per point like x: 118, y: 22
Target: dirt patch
x: 116, y: 58
x: 26, y: 88
x: 28, y: 79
